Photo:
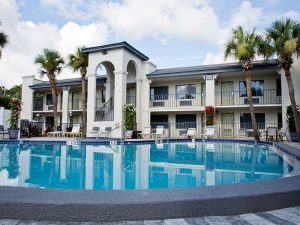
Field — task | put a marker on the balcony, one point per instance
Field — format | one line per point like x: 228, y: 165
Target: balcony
x: 75, y: 104
x: 174, y: 100
x: 39, y: 106
x: 232, y: 98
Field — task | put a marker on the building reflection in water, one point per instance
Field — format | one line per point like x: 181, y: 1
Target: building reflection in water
x: 172, y: 165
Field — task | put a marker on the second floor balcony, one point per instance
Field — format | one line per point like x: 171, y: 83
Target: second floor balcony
x: 175, y: 100
x: 262, y: 97
x: 75, y: 104
x: 38, y: 105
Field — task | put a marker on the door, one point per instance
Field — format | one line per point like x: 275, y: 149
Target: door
x: 227, y: 93
x: 203, y: 95
x: 227, y: 124
x: 49, y: 122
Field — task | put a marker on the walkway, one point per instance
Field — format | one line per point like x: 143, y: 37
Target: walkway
x: 287, y: 216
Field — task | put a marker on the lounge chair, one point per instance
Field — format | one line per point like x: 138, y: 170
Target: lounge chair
x: 159, y: 132
x: 190, y: 133
x: 104, y: 132
x: 271, y: 134
x: 2, y: 131
x: 227, y: 133
x: 242, y: 133
x: 146, y: 133
x: 282, y: 135
x: 209, y: 132
x: 75, y: 131
x: 95, y: 132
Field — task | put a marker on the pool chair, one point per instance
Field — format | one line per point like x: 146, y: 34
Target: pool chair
x: 271, y: 134
x: 146, y: 133
x: 94, y: 132
x: 104, y: 132
x: 282, y: 135
x: 159, y: 132
x: 190, y: 133
x: 75, y: 131
x: 209, y: 132
x: 242, y: 133
x: 2, y: 131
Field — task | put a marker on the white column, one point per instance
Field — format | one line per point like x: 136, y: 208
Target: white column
x: 210, y: 89
x: 91, y: 98
x: 27, y: 97
x: 138, y: 101
x: 145, y: 103
x: 119, y: 100
x: 65, y: 108
x: 63, y: 163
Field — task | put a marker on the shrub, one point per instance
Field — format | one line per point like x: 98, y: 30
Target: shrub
x: 290, y: 118
x: 129, y: 116
x: 15, y: 109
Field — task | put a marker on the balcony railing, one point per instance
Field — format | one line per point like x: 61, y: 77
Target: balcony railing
x: 105, y: 112
x: 174, y: 100
x: 39, y: 106
x: 75, y: 104
x: 239, y: 98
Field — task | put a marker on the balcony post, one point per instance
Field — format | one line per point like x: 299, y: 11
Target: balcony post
x: 91, y: 100
x: 65, y: 108
x: 119, y: 100
x: 138, y: 103
x: 210, y: 89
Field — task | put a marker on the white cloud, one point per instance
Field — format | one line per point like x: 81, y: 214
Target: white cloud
x: 27, y: 39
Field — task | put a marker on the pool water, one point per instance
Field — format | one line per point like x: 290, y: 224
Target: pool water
x: 138, y: 166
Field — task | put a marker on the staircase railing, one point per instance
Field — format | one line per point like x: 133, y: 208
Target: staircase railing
x: 106, y: 112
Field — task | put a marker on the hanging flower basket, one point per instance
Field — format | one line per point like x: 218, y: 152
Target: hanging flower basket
x: 210, y: 115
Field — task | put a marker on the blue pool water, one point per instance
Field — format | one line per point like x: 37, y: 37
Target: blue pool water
x: 131, y: 166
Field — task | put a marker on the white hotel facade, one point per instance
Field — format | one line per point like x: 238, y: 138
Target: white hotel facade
x: 173, y: 97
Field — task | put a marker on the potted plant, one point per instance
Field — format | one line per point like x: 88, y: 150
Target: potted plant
x: 15, y: 109
x: 210, y: 115
x: 129, y: 119
x: 291, y: 122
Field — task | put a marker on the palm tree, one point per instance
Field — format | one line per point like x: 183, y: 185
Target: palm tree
x: 79, y: 62
x: 51, y: 64
x: 3, y: 41
x: 283, y: 37
x: 244, y: 46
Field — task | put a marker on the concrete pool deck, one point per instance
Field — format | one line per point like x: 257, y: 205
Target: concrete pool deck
x: 103, y: 206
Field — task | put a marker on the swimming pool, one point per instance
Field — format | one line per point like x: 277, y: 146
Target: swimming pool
x: 138, y: 166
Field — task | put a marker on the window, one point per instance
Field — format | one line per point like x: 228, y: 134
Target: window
x: 159, y: 120
x: 257, y: 87
x: 279, y: 116
x: 186, y: 91
x: 159, y: 93
x: 103, y: 96
x: 49, y: 100
x: 245, y: 120
x: 278, y: 87
x: 185, y: 121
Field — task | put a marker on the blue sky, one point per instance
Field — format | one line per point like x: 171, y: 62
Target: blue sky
x: 171, y: 32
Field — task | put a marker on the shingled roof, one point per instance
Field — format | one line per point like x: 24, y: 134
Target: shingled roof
x: 64, y: 82
x: 123, y: 44
x: 210, y: 69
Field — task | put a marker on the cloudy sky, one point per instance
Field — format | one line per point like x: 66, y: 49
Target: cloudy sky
x: 171, y: 32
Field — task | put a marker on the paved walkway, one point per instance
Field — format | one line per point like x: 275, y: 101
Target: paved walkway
x: 287, y: 216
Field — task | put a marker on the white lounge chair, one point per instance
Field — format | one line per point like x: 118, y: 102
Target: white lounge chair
x: 95, y: 132
x: 75, y: 131
x: 104, y: 132
x: 271, y: 134
x: 159, y: 132
x: 146, y: 133
x: 190, y: 133
x: 242, y: 133
x: 209, y: 132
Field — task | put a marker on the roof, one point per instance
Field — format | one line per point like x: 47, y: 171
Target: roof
x: 211, y: 69
x: 64, y: 82
x: 123, y: 44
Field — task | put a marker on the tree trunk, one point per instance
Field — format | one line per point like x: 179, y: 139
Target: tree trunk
x: 84, y: 98
x: 293, y: 101
x: 52, y: 80
x: 250, y: 101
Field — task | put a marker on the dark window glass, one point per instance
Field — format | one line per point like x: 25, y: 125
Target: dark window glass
x: 278, y: 87
x: 103, y: 96
x: 257, y: 87
x: 159, y: 93
x: 279, y: 115
x: 49, y: 99
x: 245, y: 120
x: 159, y: 120
x: 186, y: 91
x: 185, y: 121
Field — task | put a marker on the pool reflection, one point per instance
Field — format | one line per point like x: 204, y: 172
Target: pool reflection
x: 173, y: 165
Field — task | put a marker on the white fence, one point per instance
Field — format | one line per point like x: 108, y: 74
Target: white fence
x: 4, y: 117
